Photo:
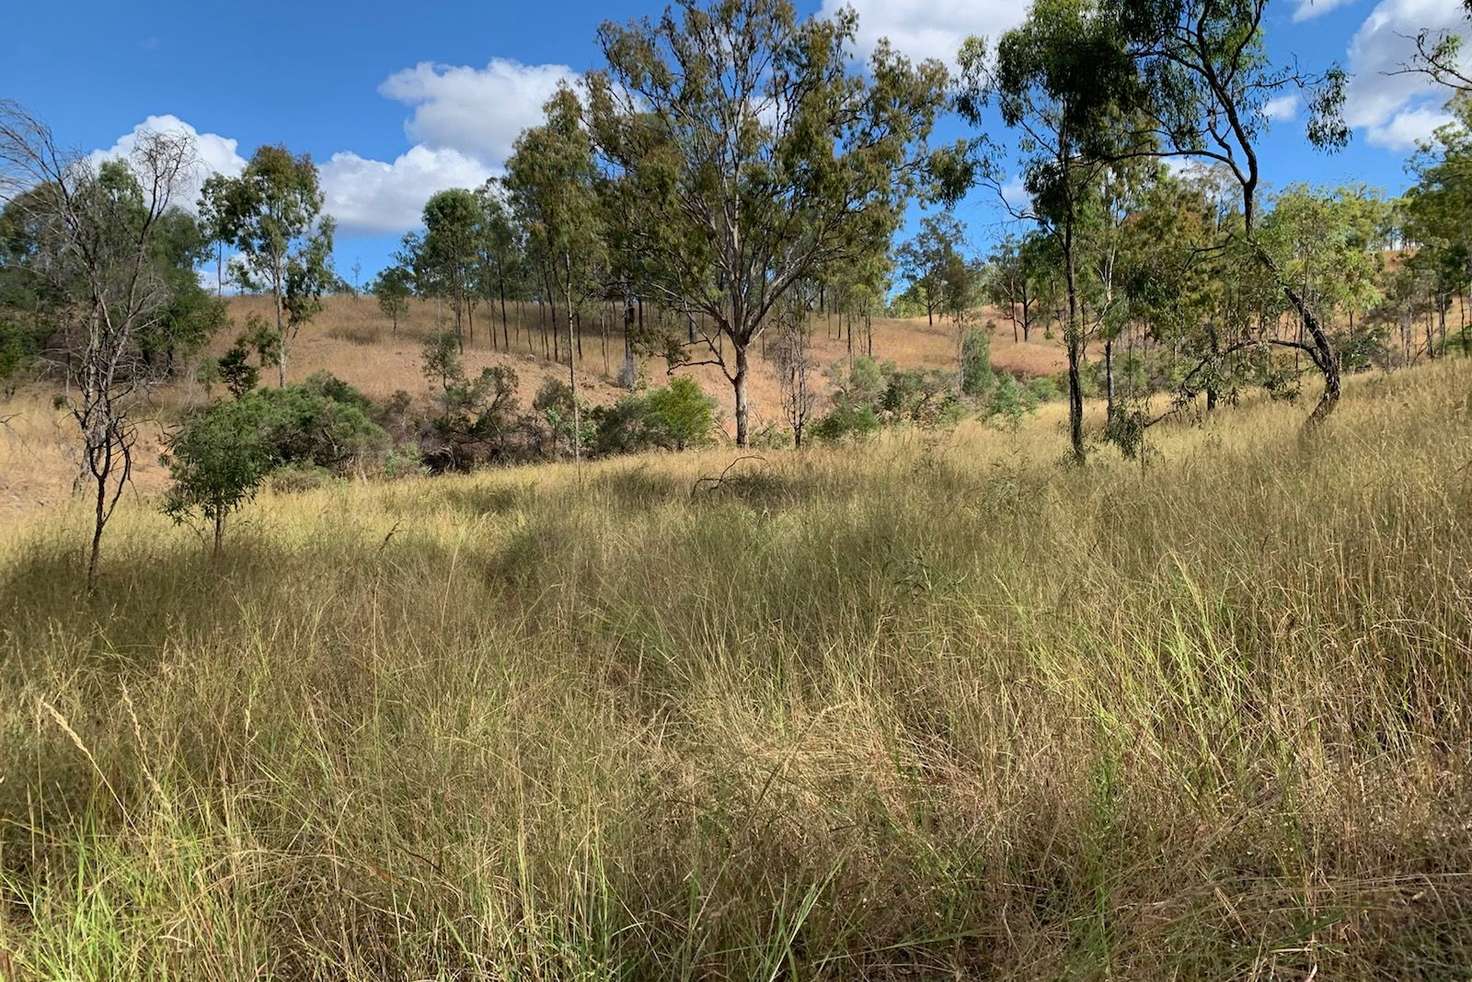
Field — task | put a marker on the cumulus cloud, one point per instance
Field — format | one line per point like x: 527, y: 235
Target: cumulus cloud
x: 217, y: 154
x: 1284, y: 107
x: 477, y: 111
x: 373, y: 196
x: 1397, y: 110
x: 1309, y: 9
x: 930, y: 28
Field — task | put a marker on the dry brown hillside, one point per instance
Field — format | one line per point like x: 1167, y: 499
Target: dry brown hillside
x: 353, y: 340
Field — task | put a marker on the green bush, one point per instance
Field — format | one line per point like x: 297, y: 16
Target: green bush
x: 217, y: 462
x: 305, y: 426
x: 976, y: 363
x: 18, y: 349
x: 1011, y: 400
x: 673, y: 417
x: 845, y: 422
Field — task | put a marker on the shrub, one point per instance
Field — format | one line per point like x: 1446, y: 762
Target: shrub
x: 672, y: 417
x: 1010, y: 401
x: 845, y: 422
x: 976, y: 363
x: 217, y: 462
x: 306, y: 427
x: 684, y: 414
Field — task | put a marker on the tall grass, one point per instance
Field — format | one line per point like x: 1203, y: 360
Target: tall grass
x: 940, y: 708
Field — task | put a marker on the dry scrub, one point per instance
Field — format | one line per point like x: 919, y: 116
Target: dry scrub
x: 944, y: 708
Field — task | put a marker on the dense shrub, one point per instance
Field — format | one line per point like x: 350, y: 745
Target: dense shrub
x: 976, y: 363
x: 672, y: 417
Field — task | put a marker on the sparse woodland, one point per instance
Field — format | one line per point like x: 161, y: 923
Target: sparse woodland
x: 670, y: 566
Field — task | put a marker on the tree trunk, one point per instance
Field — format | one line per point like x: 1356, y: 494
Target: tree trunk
x: 738, y: 383
x: 1324, y: 357
x: 1109, y: 379
x: 505, y: 329
x: 572, y: 373
x: 219, y: 530
x: 99, y: 524
x: 280, y: 337
x: 1075, y: 353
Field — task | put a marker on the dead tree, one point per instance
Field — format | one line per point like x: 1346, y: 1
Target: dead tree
x: 97, y: 226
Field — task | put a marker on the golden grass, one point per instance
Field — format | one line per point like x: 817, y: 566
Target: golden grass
x: 943, y: 708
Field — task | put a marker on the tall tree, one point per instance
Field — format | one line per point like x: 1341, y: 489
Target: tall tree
x: 550, y: 178
x: 393, y: 286
x: 925, y: 261
x: 272, y: 216
x: 1065, y: 81
x: 498, y: 250
x: 1209, y: 81
x: 449, y: 254
x: 757, y: 156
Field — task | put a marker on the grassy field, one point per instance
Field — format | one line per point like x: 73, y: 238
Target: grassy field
x: 941, y: 709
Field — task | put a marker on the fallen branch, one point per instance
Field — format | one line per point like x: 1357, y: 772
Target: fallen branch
x: 712, y: 483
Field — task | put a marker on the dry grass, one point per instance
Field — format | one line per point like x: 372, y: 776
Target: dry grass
x: 942, y: 709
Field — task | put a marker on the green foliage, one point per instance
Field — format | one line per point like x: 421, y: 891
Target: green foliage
x: 236, y: 371
x: 393, y: 287
x: 218, y: 460
x: 1009, y: 400
x: 846, y: 422
x: 302, y: 424
x: 19, y: 346
x: 272, y: 216
x: 673, y: 417
x: 976, y: 363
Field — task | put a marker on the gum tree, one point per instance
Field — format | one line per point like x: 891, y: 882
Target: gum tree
x: 758, y: 157
x: 1209, y: 80
x: 272, y: 216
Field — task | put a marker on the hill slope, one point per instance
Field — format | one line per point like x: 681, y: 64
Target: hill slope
x: 939, y: 709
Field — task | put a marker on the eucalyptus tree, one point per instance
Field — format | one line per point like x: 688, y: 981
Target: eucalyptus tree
x: 1329, y: 244
x: 1065, y: 81
x: 97, y: 240
x: 550, y: 179
x: 497, y: 250
x: 758, y: 156
x: 272, y: 216
x: 1209, y: 80
x: 393, y: 287
x: 925, y: 261
x: 1438, y: 206
x: 1010, y: 283
x: 448, y: 254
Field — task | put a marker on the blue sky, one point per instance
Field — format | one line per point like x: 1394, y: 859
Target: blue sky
x: 396, y: 101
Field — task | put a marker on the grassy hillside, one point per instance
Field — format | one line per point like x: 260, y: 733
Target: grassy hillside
x: 353, y: 340
x: 943, y: 708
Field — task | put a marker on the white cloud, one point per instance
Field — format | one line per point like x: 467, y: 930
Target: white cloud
x: 931, y: 28
x: 463, y: 126
x: 217, y: 154
x: 1284, y: 107
x: 1409, y: 127
x: 1309, y: 9
x: 373, y: 196
x: 1397, y: 110
x: 477, y: 111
